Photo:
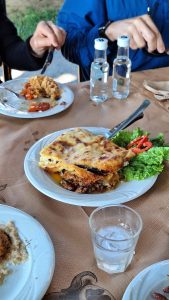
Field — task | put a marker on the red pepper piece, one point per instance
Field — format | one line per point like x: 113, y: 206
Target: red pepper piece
x: 146, y: 146
x: 137, y: 150
x: 135, y: 141
x: 142, y: 141
x: 42, y: 106
x: 140, y: 144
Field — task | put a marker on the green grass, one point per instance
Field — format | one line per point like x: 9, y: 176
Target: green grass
x: 26, y: 21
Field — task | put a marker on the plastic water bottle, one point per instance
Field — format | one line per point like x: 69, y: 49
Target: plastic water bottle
x: 122, y: 69
x: 99, y: 72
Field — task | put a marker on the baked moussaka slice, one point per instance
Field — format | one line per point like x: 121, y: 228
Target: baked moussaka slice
x: 86, y: 162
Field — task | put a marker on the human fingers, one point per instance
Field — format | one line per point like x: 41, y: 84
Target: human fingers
x: 59, y: 33
x: 42, y: 39
x: 132, y: 43
x: 136, y: 38
x: 45, y: 36
x: 141, y: 30
x: 113, y: 31
x: 126, y: 27
x: 148, y: 35
x: 159, y: 41
x: 48, y: 34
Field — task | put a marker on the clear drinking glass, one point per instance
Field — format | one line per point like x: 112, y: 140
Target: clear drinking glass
x: 115, y: 231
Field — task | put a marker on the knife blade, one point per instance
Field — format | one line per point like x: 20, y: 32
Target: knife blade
x: 48, y: 60
x: 136, y: 115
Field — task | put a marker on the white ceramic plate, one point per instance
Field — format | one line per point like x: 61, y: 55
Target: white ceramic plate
x: 125, y: 191
x: 19, y: 106
x: 152, y: 279
x: 29, y: 280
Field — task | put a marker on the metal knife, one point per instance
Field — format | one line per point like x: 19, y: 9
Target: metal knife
x: 136, y: 115
x: 48, y: 60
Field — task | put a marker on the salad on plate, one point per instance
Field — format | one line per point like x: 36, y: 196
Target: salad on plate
x: 151, y: 153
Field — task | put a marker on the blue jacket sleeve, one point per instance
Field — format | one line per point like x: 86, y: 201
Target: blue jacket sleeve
x: 81, y: 21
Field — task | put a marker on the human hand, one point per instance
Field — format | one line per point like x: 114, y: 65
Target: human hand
x: 47, y: 34
x: 142, y: 32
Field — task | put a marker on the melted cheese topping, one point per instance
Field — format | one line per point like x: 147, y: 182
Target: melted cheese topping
x: 81, y: 148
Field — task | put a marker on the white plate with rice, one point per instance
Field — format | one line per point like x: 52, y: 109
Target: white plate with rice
x: 30, y: 279
x: 17, y: 107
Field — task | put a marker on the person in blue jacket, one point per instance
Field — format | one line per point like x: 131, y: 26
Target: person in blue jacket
x: 145, y: 21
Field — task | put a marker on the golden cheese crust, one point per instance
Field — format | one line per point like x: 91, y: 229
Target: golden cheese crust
x: 80, y: 147
x: 85, y: 161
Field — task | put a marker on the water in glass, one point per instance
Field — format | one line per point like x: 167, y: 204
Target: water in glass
x: 114, y: 248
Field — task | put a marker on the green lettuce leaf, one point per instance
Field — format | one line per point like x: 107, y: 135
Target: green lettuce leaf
x: 123, y: 138
x: 140, y: 172
x: 158, y: 140
x: 148, y: 163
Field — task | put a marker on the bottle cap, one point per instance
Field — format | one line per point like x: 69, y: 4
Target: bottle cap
x: 100, y: 44
x: 123, y: 41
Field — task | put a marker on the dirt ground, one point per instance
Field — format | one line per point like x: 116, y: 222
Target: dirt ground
x: 20, y: 5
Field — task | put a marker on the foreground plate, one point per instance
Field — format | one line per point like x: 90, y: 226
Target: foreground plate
x: 29, y: 280
x: 125, y: 191
x: 152, y: 279
x: 18, y: 109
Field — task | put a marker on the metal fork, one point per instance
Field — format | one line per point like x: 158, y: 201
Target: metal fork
x: 9, y: 90
x: 136, y: 115
x: 3, y: 102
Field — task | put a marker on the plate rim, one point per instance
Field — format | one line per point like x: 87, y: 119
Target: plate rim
x: 37, y: 115
x: 73, y: 194
x: 50, y: 274
x: 140, y: 274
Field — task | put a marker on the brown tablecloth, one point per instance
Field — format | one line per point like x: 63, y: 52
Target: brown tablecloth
x: 67, y: 224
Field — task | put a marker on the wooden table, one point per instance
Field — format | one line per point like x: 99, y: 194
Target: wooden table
x: 67, y: 224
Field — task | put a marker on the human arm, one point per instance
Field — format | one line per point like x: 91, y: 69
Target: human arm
x: 81, y: 22
x: 29, y: 55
